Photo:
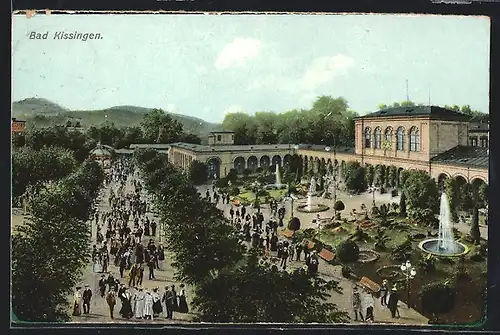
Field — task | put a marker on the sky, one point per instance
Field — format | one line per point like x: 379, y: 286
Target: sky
x: 208, y: 65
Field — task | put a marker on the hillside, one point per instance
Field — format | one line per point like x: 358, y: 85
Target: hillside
x: 41, y: 113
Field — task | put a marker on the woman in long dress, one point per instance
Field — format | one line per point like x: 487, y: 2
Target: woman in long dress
x: 139, y: 304
x: 77, y: 308
x: 148, y: 306
x: 182, y: 305
x: 157, y: 308
x: 126, y: 310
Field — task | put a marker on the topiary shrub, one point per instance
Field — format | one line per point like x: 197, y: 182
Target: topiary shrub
x: 339, y: 206
x: 346, y: 272
x: 348, y: 251
x: 294, y: 224
x: 234, y: 191
x: 375, y: 210
x: 438, y: 297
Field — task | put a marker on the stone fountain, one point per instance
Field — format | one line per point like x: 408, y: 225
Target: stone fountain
x: 309, y: 207
x: 445, y: 244
x: 277, y: 183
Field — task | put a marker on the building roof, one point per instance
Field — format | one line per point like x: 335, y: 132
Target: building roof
x: 226, y: 148
x: 433, y: 112
x: 150, y: 146
x: 481, y: 127
x: 462, y: 155
x: 16, y: 120
x: 317, y: 147
x: 222, y: 132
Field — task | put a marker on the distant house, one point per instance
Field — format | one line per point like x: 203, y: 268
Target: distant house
x: 17, y: 125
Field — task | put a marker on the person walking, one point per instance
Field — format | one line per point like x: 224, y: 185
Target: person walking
x: 356, y: 304
x: 147, y: 313
x: 111, y: 300
x: 383, y: 292
x: 183, y: 307
x: 102, y: 285
x: 157, y: 308
x: 87, y: 296
x: 393, y: 302
x: 77, y: 300
x: 369, y: 303
x: 170, y: 299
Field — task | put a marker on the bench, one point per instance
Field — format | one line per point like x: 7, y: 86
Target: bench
x: 369, y: 284
x: 327, y: 255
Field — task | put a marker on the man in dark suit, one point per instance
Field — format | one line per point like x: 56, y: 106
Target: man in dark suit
x: 87, y: 296
x: 170, y: 299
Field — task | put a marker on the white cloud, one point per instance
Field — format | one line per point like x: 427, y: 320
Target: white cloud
x: 200, y: 69
x: 319, y: 72
x: 233, y: 109
x: 171, y: 108
x: 324, y: 69
x: 238, y: 52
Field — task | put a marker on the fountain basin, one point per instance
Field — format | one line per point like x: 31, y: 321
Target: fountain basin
x: 313, y: 208
x: 431, y: 246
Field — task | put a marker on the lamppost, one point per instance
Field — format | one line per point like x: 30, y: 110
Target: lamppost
x: 409, y: 272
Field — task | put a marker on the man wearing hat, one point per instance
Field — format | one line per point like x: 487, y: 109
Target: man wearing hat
x: 383, y: 292
x: 356, y: 304
x: 87, y: 296
x: 170, y: 299
x: 393, y: 302
x: 102, y: 285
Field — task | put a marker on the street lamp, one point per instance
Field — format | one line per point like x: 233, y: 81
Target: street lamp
x: 373, y: 189
x: 409, y: 272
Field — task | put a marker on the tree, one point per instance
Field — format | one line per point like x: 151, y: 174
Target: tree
x: 348, y: 251
x: 338, y: 207
x: 474, y: 230
x: 392, y: 176
x: 369, y: 174
x: 159, y: 127
x: 402, y: 204
x: 438, y: 297
x: 421, y: 191
x: 380, y: 175
x: 403, y: 176
x: 483, y: 193
x: 301, y: 298
x: 198, y: 172
x: 44, y: 274
x: 452, y: 190
x: 354, y: 177
x: 381, y: 240
x: 190, y: 138
x: 232, y: 176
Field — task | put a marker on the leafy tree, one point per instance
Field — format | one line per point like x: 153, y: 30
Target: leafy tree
x: 438, y: 297
x: 474, y: 230
x: 232, y: 176
x: 51, y: 248
x: 280, y: 297
x: 348, y: 251
x: 369, y: 174
x: 354, y: 177
x: 421, y: 191
x: 198, y: 172
x: 381, y: 240
x: 392, y: 176
x: 34, y: 167
x: 379, y: 175
x: 452, y: 190
x: 483, y: 193
x: 159, y: 127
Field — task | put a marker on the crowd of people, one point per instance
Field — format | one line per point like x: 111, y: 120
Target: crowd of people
x: 129, y: 243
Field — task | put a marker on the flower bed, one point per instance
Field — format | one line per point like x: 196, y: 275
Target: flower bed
x: 368, y: 256
x: 366, y: 224
x: 389, y: 272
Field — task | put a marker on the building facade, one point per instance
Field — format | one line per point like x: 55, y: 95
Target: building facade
x: 17, y: 126
x: 428, y: 138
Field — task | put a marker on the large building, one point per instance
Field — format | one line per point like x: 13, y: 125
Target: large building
x: 428, y: 138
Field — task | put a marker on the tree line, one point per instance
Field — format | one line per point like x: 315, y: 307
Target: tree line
x: 230, y: 283
x: 50, y: 249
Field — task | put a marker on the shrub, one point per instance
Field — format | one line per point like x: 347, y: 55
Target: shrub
x: 427, y: 265
x: 375, y: 210
x: 294, y: 224
x: 402, y: 252
x: 262, y: 193
x: 346, y: 271
x: 348, y: 251
x: 438, y: 297
x: 339, y: 206
x: 234, y: 191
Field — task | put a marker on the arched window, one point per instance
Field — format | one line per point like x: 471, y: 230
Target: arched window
x: 388, y: 138
x: 368, y: 137
x: 484, y: 141
x: 414, y: 139
x: 400, y: 139
x: 378, y: 138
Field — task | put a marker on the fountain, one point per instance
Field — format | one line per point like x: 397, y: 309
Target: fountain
x: 445, y: 244
x: 309, y: 207
x: 277, y: 183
